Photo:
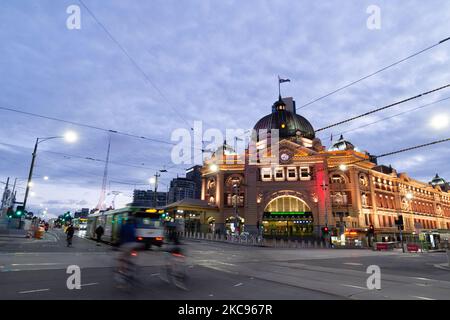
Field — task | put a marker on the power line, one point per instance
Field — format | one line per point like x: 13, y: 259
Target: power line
x: 85, y: 158
x: 84, y: 125
x: 393, y: 116
x: 382, y: 108
x: 392, y: 153
x: 133, y: 61
x: 412, y: 148
x: 374, y: 73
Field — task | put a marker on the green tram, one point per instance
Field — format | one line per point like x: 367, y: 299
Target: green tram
x: 148, y: 222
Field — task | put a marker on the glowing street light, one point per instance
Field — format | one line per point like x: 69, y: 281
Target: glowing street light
x: 46, y: 178
x: 152, y: 180
x: 343, y: 167
x: 440, y: 121
x: 69, y: 136
x: 213, y: 167
x: 409, y: 196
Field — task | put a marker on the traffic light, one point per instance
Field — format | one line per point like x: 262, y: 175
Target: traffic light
x: 371, y: 230
x: 20, y: 210
x: 325, y: 230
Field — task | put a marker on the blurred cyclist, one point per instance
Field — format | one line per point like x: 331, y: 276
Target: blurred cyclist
x: 126, y: 267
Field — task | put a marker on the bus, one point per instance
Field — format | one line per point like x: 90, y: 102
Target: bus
x: 148, y: 221
x: 80, y: 223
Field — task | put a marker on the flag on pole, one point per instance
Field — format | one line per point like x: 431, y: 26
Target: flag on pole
x: 283, y: 80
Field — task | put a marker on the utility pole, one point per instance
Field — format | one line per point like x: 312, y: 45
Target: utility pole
x: 155, y: 198
x: 4, y: 194
x: 30, y: 175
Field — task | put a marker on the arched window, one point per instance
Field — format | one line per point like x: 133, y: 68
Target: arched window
x: 287, y: 204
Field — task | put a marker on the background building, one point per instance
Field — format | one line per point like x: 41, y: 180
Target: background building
x: 146, y: 198
x: 181, y: 188
x: 195, y: 174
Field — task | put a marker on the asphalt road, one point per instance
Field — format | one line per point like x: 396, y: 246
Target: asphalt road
x: 36, y: 269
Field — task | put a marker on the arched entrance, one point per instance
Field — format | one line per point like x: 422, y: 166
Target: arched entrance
x: 287, y: 216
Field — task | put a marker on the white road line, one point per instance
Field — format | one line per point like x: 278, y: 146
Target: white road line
x: 426, y: 279
x: 89, y: 284
x: 34, y: 264
x: 352, y: 286
x: 353, y: 263
x: 31, y: 291
x: 154, y: 274
x: 423, y: 298
x: 238, y: 285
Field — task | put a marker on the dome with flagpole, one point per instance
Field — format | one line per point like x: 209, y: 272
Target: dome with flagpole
x: 287, y: 121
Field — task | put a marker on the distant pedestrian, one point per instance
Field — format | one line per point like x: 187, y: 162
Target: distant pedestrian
x: 70, y: 232
x: 99, y: 232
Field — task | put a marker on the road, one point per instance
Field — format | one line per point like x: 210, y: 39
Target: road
x: 36, y: 269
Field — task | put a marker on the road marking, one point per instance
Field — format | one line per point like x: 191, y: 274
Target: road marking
x: 238, y: 285
x: 423, y: 298
x: 426, y: 279
x: 421, y: 284
x: 154, y: 274
x: 352, y: 286
x: 353, y: 263
x: 31, y: 291
x: 35, y: 264
x: 89, y: 284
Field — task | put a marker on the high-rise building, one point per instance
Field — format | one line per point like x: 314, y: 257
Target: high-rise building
x: 181, y: 188
x: 146, y: 198
x: 195, y: 174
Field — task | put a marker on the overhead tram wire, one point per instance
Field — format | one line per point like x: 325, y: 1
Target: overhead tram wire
x: 373, y: 73
x: 135, y: 64
x: 392, y: 153
x: 79, y: 124
x: 382, y: 108
x: 86, y: 158
x: 393, y: 116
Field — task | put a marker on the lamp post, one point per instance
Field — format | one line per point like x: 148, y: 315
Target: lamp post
x: 69, y: 137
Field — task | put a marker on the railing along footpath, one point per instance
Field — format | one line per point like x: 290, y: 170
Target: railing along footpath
x: 251, y: 240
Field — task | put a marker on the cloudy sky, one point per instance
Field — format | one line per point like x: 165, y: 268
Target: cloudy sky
x: 215, y: 61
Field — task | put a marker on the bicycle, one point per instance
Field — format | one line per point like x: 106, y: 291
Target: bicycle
x: 126, y: 273
x: 174, y: 268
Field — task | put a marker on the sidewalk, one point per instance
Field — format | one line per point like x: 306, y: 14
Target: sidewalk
x: 13, y: 233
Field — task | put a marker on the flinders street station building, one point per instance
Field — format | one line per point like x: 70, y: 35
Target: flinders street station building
x: 312, y: 188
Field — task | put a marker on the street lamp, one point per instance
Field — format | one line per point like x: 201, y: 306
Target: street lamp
x: 343, y: 167
x: 213, y: 167
x: 69, y: 136
x: 439, y: 121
